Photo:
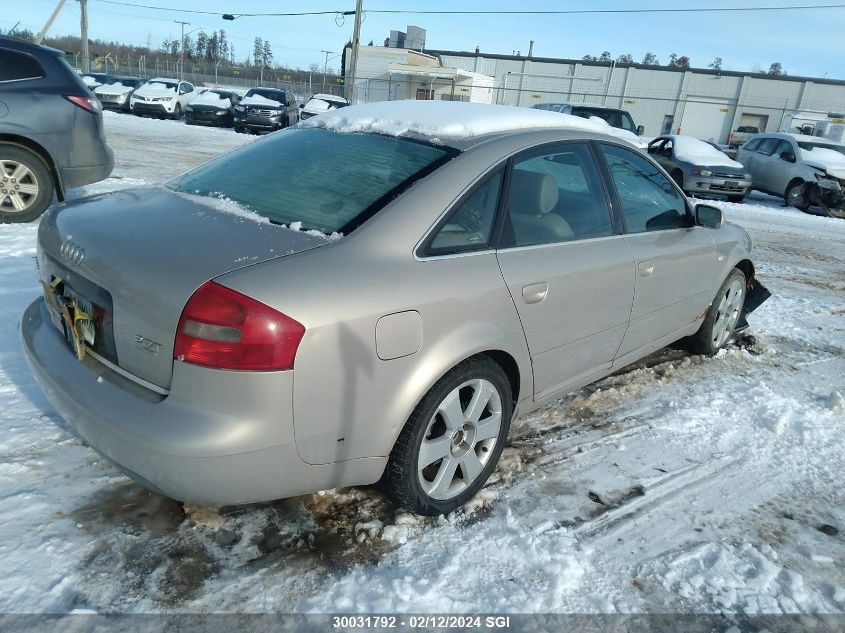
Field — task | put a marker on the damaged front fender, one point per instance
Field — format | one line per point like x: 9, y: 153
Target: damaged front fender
x: 756, y: 294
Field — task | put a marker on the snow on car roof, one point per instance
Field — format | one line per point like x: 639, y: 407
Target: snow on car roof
x: 326, y: 97
x: 443, y: 121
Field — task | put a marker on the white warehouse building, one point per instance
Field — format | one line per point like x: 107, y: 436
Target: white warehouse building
x: 705, y: 103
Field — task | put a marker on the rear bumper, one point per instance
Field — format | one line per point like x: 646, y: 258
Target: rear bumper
x: 219, y: 437
x: 77, y: 176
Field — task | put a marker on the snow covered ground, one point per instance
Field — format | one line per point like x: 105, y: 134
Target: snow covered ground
x: 684, y: 484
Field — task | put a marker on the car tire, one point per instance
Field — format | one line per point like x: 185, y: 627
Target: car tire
x: 736, y: 199
x: 238, y: 129
x: 722, y: 316
x: 177, y: 112
x: 32, y: 188
x: 795, y: 196
x: 471, y: 438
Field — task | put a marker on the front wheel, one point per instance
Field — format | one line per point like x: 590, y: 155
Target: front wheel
x: 26, y: 186
x: 796, y: 196
x: 177, y: 112
x: 736, y: 199
x: 722, y: 316
x: 452, y: 441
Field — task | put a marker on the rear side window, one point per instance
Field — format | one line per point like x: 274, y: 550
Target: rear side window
x: 15, y: 66
x: 470, y: 225
x: 327, y: 181
x: 649, y: 200
x: 555, y: 195
x: 768, y: 146
x: 753, y: 144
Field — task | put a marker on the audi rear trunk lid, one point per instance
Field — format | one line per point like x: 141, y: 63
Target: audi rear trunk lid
x: 138, y: 255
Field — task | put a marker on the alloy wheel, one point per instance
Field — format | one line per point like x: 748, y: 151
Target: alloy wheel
x: 459, y: 439
x: 727, y: 314
x: 18, y: 186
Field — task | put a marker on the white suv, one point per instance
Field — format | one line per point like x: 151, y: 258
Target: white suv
x: 164, y: 97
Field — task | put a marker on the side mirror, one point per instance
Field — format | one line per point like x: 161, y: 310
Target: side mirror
x: 301, y: 106
x: 789, y: 157
x: 640, y: 130
x: 709, y: 217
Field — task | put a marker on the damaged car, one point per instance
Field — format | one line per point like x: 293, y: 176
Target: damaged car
x: 370, y: 296
x: 804, y: 170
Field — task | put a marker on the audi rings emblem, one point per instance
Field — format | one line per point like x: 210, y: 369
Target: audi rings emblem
x: 72, y: 252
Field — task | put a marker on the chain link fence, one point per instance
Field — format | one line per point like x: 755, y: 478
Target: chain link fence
x: 301, y: 82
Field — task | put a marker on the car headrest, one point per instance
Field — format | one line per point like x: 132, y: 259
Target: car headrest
x: 532, y: 193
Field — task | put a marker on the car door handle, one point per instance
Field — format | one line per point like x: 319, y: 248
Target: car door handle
x: 535, y: 293
x: 646, y: 268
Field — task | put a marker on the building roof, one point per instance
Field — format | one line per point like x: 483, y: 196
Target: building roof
x: 701, y: 71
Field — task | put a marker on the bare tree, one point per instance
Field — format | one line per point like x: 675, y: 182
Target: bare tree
x: 776, y: 69
x: 650, y: 59
x: 716, y: 64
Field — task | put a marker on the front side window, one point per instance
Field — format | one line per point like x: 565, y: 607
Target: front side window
x: 555, y: 195
x: 15, y: 66
x: 327, y: 181
x: 470, y: 225
x: 650, y: 201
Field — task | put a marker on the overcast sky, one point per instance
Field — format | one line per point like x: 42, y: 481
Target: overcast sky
x: 806, y: 42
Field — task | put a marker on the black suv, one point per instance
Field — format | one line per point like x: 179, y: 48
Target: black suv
x: 266, y: 109
x: 51, y: 130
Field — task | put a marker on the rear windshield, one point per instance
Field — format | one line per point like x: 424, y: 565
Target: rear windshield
x: 275, y: 95
x: 614, y: 118
x: 329, y: 182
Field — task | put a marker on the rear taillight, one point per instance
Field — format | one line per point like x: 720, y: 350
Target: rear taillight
x: 224, y: 329
x: 86, y: 103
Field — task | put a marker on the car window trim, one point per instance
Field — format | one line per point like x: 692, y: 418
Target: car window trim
x: 618, y: 202
x: 513, y: 158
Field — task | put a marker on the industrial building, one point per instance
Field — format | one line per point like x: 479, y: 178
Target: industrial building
x: 705, y: 103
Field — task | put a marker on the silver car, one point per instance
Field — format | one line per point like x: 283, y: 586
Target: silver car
x: 324, y: 308
x: 804, y: 170
x: 700, y: 168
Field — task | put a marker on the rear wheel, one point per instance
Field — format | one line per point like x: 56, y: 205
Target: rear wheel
x: 722, y: 316
x: 452, y: 441
x: 26, y: 186
x: 796, y: 196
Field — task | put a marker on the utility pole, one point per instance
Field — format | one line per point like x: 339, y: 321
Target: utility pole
x: 83, y: 24
x: 182, y: 49
x: 325, y: 66
x: 356, y: 43
x: 47, y: 26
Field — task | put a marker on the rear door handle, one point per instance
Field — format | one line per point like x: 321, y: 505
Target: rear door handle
x: 646, y: 268
x: 535, y: 293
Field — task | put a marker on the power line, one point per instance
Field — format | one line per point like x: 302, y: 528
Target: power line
x: 499, y: 12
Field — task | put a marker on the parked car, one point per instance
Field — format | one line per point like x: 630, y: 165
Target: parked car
x: 51, y: 130
x: 266, y: 110
x: 117, y: 94
x: 727, y: 150
x: 741, y: 134
x: 163, y: 97
x: 620, y: 122
x: 700, y: 168
x: 805, y: 170
x: 92, y: 80
x: 212, y: 107
x: 320, y: 103
x: 463, y: 264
